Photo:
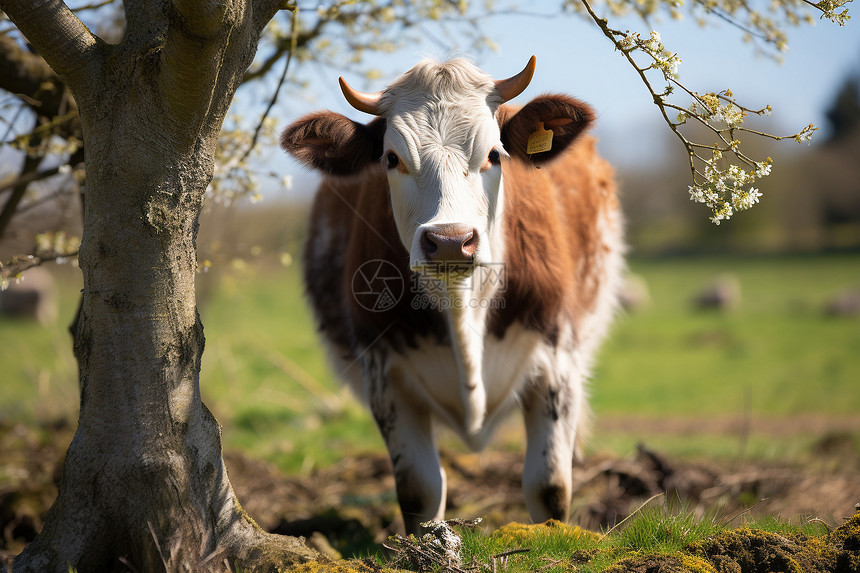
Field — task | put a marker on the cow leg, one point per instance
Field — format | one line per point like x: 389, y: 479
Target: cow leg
x: 408, y: 434
x: 552, y: 408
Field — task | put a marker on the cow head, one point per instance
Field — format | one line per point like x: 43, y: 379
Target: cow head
x: 441, y: 135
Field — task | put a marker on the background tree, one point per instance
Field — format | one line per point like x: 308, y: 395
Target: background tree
x: 844, y: 112
x: 144, y: 479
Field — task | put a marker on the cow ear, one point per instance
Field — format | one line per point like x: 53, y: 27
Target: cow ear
x: 333, y: 143
x: 568, y: 118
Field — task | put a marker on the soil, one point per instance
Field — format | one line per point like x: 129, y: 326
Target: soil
x: 349, y: 508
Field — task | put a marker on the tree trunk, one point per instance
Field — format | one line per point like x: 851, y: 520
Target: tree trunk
x: 144, y: 480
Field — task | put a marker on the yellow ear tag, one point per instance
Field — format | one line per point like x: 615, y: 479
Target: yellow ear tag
x: 540, y: 140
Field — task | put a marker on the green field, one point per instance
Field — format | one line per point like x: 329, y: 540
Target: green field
x: 777, y: 365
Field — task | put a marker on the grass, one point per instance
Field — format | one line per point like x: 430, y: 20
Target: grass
x: 266, y: 378
x: 38, y: 372
x: 264, y: 375
x: 656, y: 535
x: 776, y: 357
x: 777, y: 350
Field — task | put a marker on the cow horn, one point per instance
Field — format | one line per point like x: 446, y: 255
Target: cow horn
x: 515, y: 85
x: 366, y: 102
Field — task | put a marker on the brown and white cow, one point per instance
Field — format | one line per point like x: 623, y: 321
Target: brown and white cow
x: 454, y: 275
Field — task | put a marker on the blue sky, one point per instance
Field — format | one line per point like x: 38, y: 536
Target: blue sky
x: 574, y: 57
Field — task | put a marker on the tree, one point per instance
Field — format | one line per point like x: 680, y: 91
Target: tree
x: 843, y: 114
x: 144, y: 475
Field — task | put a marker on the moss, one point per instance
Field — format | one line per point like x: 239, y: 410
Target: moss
x: 695, y: 564
x: 521, y: 533
x: 661, y: 563
x: 847, y: 535
x: 328, y: 566
x: 243, y: 515
x: 845, y: 541
x: 746, y: 550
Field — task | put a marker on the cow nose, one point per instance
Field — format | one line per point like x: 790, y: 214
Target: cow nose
x: 449, y: 243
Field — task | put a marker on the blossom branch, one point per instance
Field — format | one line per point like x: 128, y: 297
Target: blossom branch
x: 724, y: 180
x: 828, y: 10
x: 56, y: 247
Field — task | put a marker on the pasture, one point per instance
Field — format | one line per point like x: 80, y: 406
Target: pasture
x: 762, y: 380
x: 771, y: 386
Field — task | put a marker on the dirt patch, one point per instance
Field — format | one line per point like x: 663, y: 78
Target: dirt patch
x: 350, y: 507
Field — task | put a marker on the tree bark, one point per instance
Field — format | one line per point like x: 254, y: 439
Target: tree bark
x: 144, y: 480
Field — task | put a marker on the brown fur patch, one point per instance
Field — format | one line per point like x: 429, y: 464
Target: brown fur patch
x: 554, y: 241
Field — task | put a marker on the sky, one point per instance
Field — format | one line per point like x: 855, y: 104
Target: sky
x: 574, y: 57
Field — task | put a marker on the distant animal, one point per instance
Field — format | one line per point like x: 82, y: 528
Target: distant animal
x: 463, y: 258
x: 845, y: 304
x: 722, y: 294
x: 33, y: 298
x: 634, y: 295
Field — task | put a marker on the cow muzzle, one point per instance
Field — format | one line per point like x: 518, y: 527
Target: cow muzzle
x: 448, y: 245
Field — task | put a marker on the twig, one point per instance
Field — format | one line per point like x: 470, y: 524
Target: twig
x: 93, y: 6
x: 511, y: 552
x: 12, y: 122
x: 294, y: 29
x: 743, y: 512
x: 504, y: 557
x: 637, y: 510
x: 820, y: 521
x: 29, y: 178
x: 45, y: 127
x: 157, y: 545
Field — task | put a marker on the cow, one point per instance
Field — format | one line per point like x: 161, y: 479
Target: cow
x: 460, y: 264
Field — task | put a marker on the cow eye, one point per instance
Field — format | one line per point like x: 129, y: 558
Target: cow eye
x: 392, y: 159
x: 494, y: 157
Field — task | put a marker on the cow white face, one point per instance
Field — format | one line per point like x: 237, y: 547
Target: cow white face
x: 442, y: 155
x: 440, y: 136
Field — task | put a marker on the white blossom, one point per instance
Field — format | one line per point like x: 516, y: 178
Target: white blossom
x: 653, y: 45
x: 629, y: 41
x: 763, y: 168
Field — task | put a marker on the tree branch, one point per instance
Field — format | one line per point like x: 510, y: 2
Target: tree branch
x: 11, y: 205
x: 28, y: 177
x: 264, y: 10
x: 284, y: 45
x: 59, y: 37
x: 202, y: 19
x: 200, y: 35
x: 294, y: 25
